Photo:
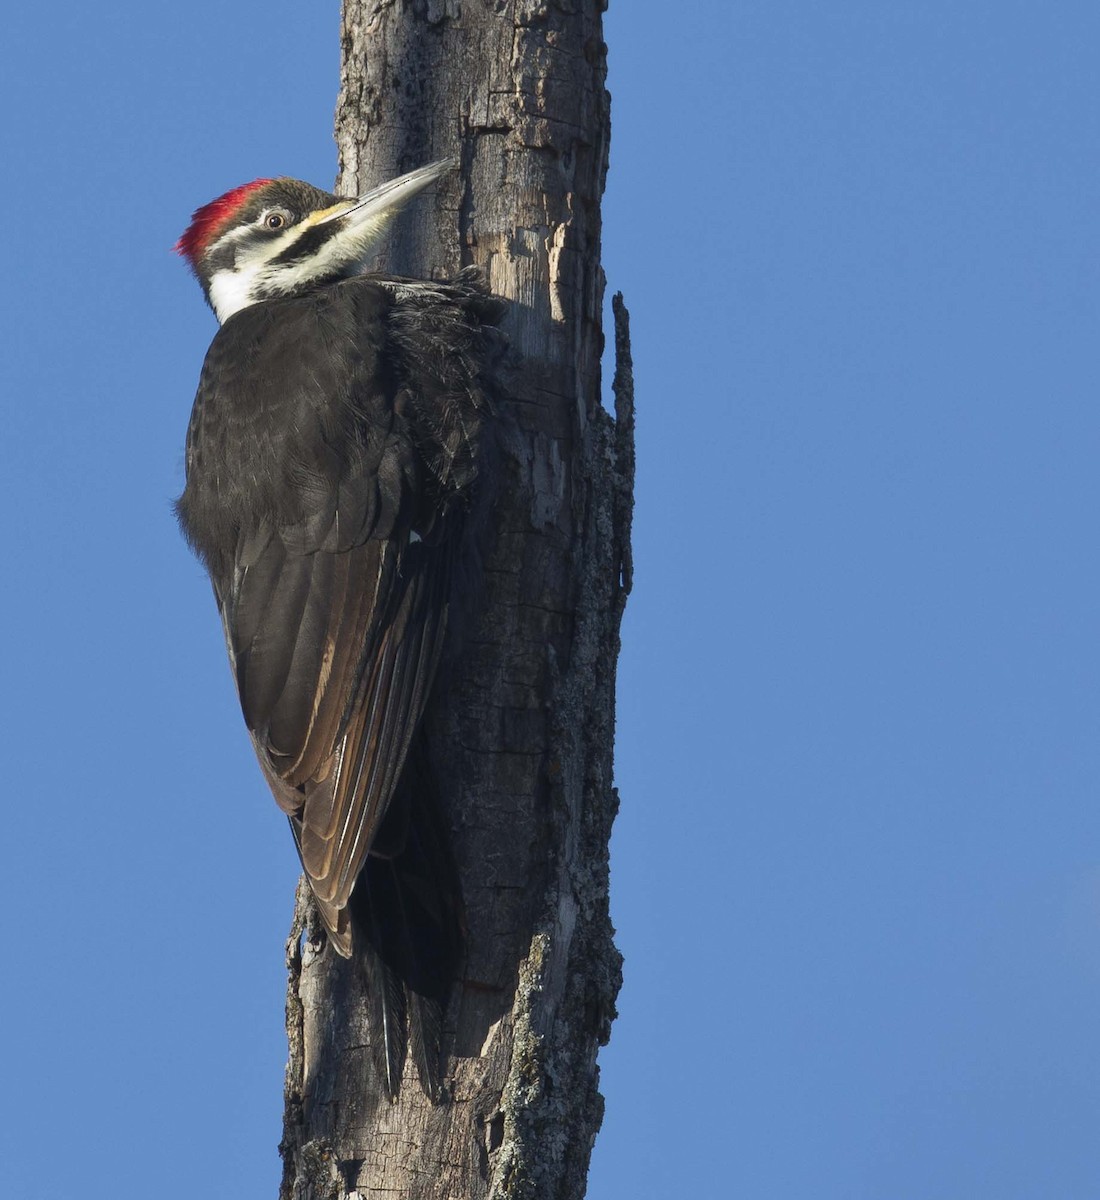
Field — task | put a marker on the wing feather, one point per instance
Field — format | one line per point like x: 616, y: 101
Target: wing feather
x: 339, y: 824
x: 324, y: 510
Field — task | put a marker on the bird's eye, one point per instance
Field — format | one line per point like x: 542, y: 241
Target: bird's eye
x: 275, y: 220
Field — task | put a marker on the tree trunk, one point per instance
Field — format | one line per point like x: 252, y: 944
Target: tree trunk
x: 521, y: 729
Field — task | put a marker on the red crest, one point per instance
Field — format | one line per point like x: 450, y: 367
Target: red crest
x: 206, y: 221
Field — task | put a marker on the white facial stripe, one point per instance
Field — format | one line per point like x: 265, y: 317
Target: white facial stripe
x: 256, y: 278
x: 230, y: 291
x: 345, y: 247
x: 232, y: 235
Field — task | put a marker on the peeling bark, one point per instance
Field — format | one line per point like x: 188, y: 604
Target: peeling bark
x: 522, y: 727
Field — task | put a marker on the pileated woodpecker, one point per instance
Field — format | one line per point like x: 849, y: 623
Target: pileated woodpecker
x: 331, y: 454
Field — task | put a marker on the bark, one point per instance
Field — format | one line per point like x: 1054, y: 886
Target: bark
x: 522, y: 727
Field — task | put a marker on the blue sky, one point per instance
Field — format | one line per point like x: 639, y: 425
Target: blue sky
x: 856, y: 874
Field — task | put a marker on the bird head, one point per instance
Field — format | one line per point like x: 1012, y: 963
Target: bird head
x: 281, y: 237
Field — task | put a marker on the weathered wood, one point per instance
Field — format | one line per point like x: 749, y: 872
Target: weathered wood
x: 521, y: 733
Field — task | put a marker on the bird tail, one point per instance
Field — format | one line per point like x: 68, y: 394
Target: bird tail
x: 406, y: 916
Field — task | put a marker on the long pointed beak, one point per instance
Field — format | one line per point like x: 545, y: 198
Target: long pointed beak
x: 384, y: 201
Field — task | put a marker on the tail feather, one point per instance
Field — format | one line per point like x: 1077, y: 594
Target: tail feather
x: 388, y: 1014
x: 426, y: 1042
x: 406, y: 913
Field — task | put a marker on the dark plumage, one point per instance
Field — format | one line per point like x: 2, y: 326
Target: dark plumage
x: 331, y: 455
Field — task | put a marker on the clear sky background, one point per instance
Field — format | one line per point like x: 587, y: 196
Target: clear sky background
x: 856, y: 874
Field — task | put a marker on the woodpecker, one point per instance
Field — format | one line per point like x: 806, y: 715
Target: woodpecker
x: 332, y: 452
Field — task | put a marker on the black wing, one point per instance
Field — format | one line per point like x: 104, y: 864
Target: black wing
x: 319, y: 494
